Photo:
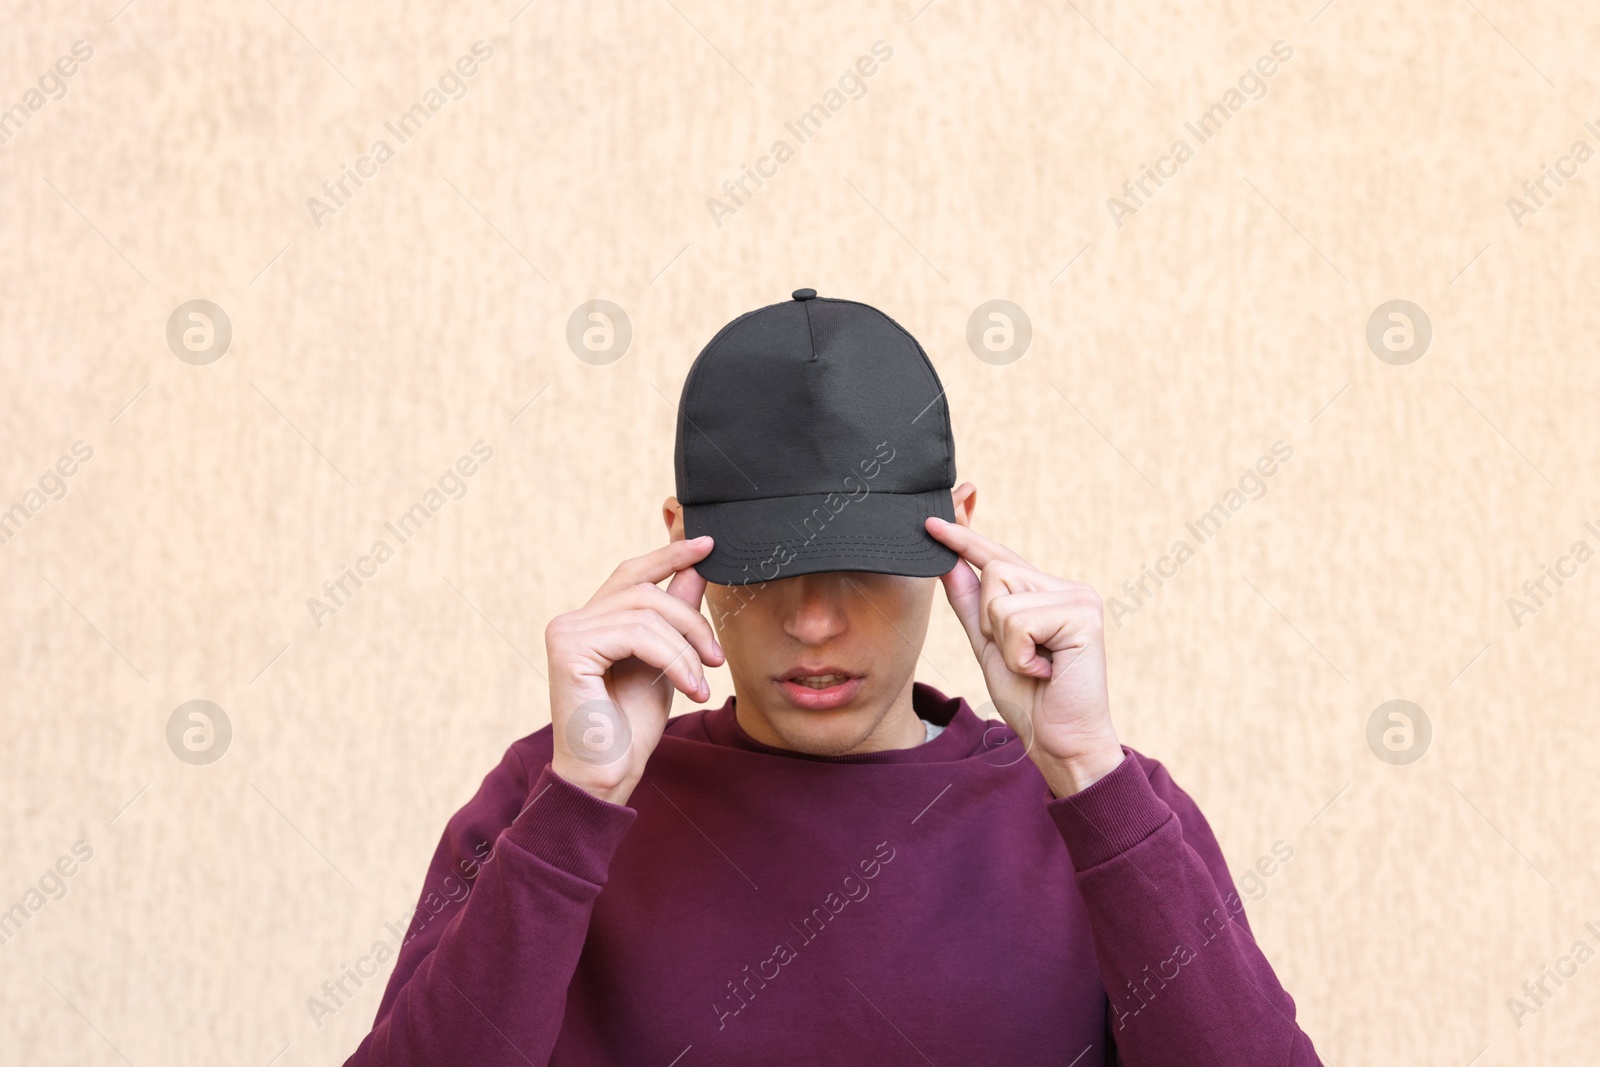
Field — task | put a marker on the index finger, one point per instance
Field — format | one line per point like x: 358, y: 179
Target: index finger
x: 664, y: 562
x: 688, y: 586
x: 973, y: 546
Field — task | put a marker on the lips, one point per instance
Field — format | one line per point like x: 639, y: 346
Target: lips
x: 820, y: 688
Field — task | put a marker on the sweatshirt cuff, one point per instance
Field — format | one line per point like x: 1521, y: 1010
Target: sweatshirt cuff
x: 1109, y: 817
x: 570, y: 828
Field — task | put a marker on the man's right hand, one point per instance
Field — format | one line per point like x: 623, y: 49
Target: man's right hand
x: 615, y: 661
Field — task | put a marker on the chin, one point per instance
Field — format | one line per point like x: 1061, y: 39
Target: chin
x: 823, y: 733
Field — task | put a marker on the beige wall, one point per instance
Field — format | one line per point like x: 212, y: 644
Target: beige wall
x: 367, y: 354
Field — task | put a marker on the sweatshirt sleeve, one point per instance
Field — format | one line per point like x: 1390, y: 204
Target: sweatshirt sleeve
x: 483, y: 972
x: 1187, y: 984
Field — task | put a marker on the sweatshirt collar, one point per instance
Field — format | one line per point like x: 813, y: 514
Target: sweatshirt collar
x: 964, y: 732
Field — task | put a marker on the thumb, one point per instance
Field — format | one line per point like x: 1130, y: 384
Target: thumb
x: 964, y: 591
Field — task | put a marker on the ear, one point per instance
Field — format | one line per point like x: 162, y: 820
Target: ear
x: 672, y: 515
x: 965, y: 499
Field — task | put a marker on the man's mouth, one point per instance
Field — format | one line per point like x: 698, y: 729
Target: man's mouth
x: 819, y: 688
x: 818, y: 681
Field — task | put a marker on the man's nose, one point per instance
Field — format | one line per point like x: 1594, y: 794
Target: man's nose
x: 818, y: 614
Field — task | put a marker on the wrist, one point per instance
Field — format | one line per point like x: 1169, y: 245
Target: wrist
x: 1073, y: 774
x: 611, y: 790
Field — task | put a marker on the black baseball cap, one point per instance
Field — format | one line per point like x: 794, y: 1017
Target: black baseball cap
x: 814, y: 435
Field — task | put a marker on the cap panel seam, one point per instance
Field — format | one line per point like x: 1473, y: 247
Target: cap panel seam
x: 927, y: 366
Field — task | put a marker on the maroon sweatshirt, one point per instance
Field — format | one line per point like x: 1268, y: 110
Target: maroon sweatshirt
x: 752, y: 905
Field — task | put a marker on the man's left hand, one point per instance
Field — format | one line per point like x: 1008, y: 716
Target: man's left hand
x: 1040, y: 641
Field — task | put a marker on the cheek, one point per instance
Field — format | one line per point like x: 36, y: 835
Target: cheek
x: 736, y: 611
x: 916, y: 597
x: 900, y: 608
x: 721, y: 605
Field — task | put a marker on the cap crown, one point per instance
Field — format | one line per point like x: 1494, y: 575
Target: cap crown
x: 793, y: 398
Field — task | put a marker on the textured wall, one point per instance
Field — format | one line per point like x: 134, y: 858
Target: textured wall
x: 1175, y: 338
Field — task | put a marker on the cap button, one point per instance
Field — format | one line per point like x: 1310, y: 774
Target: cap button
x: 805, y: 294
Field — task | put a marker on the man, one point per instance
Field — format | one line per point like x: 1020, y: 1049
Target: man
x: 840, y: 865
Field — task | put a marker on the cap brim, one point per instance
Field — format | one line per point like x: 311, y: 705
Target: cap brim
x: 783, y: 537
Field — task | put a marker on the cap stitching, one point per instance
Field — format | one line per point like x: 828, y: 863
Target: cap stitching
x: 732, y: 539
x: 821, y: 498
x: 855, y: 550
